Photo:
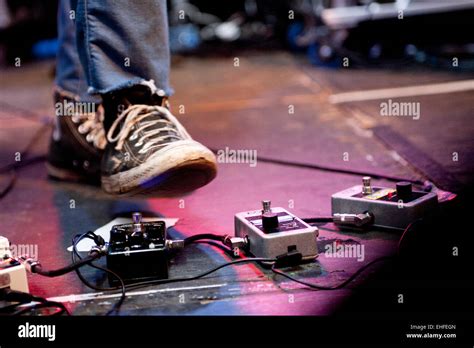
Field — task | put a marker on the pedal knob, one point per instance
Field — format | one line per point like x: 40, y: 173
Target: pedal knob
x: 404, y: 191
x: 137, y: 218
x: 137, y: 223
x: 266, y: 205
x: 269, y: 219
x: 366, y: 186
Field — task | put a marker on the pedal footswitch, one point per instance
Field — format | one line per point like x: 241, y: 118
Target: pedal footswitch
x: 275, y: 231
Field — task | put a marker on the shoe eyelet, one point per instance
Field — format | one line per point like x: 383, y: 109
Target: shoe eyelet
x: 138, y: 144
x: 89, y: 138
x: 75, y: 119
x: 134, y: 136
x: 85, y: 164
x: 81, y: 129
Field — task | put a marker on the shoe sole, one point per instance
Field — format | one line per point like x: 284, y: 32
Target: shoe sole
x: 62, y: 174
x: 177, y: 170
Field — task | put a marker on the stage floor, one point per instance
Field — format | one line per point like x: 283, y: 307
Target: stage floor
x: 274, y: 103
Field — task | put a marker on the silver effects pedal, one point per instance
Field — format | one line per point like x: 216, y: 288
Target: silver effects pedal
x: 275, y: 231
x: 393, y: 208
x: 12, y: 273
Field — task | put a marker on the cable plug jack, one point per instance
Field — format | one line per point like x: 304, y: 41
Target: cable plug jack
x: 175, y: 244
x: 356, y: 220
x: 236, y: 242
x: 99, y: 249
x: 29, y: 263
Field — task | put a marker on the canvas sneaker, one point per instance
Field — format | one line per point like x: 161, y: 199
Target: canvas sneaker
x: 148, y: 150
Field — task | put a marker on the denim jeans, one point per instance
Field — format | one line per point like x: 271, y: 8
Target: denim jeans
x: 107, y: 45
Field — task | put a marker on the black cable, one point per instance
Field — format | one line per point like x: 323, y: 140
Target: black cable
x: 316, y: 220
x: 22, y: 299
x: 11, y: 183
x: 75, y: 253
x: 220, y: 246
x: 44, y: 304
x: 8, y: 310
x: 215, y: 269
x: 199, y: 238
x: 195, y: 238
x: 36, y: 136
x: 176, y: 280
x: 12, y: 167
x: 75, y: 265
x: 405, y: 233
x: 202, y: 236
x: 359, y: 271
x: 61, y: 271
x: 10, y: 295
x: 15, y: 166
x: 22, y: 112
x: 333, y: 169
x: 334, y: 287
x: 23, y: 163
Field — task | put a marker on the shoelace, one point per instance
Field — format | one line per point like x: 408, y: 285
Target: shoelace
x: 92, y: 128
x: 137, y: 114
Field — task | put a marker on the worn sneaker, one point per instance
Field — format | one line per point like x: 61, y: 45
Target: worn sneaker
x: 148, y: 150
x: 77, y: 141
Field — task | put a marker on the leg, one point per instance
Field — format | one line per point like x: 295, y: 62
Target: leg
x: 122, y: 44
x: 69, y: 72
x: 124, y: 52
